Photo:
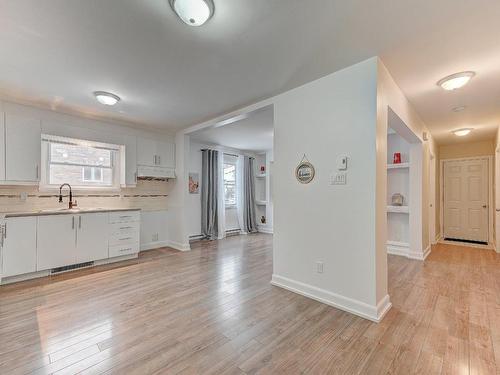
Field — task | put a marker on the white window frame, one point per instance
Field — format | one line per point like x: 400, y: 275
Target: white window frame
x: 44, y: 184
x: 233, y: 205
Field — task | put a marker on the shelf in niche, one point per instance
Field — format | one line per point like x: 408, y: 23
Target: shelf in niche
x: 261, y: 175
x: 260, y: 203
x: 398, y: 209
x: 398, y: 166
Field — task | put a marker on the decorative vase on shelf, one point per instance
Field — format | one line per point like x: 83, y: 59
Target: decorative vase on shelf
x: 263, y: 219
x: 396, y: 158
x: 397, y: 199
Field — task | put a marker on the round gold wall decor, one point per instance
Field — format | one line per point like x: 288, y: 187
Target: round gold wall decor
x: 304, y: 172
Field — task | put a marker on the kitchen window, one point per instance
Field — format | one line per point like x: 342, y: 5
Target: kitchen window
x: 82, y: 164
x: 229, y: 184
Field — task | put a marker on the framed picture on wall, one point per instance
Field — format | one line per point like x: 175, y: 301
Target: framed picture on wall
x: 194, y: 183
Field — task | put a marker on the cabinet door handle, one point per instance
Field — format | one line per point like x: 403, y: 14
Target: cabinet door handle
x: 37, y: 174
x: 79, y: 222
x: 5, y: 231
x: 73, y: 222
x: 126, y: 238
x: 159, y: 159
x: 126, y: 227
x: 123, y: 250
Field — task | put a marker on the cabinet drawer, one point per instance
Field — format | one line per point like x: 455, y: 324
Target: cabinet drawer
x: 120, y: 250
x: 124, y: 239
x: 118, y: 229
x: 124, y: 217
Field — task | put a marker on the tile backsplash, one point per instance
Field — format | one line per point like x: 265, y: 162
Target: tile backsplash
x: 148, y: 196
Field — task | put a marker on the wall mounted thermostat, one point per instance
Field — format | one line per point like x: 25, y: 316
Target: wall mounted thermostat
x: 342, y: 163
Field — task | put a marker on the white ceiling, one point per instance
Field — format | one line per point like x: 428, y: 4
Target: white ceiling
x: 171, y: 75
x: 254, y: 133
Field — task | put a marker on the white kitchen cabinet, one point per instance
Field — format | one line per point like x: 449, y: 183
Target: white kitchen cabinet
x: 2, y: 146
x: 22, y: 148
x: 92, y: 237
x: 129, y: 162
x: 155, y: 153
x: 19, y: 246
x: 56, y: 242
x: 146, y: 152
x: 166, y: 154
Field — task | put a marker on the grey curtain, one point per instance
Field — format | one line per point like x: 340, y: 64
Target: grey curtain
x: 249, y: 220
x: 209, y: 194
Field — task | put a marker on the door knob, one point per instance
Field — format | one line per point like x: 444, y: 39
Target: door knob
x: 484, y: 206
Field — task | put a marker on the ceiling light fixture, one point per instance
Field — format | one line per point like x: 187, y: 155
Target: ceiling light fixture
x: 455, y: 81
x: 193, y: 12
x: 106, y: 98
x: 462, y: 132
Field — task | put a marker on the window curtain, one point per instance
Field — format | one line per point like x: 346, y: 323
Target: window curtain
x: 221, y: 206
x: 248, y: 222
x: 239, y: 192
x: 210, y: 190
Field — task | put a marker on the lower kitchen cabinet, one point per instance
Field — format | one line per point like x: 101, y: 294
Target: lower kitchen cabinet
x: 56, y: 241
x: 92, y: 237
x: 19, y: 246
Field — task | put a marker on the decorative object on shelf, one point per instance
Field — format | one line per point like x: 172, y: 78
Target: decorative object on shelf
x: 194, y: 183
x: 304, y: 171
x: 397, y: 199
x: 396, y: 158
x: 263, y: 219
x: 262, y: 169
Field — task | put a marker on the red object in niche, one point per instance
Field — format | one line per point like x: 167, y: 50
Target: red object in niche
x: 397, y: 158
x: 262, y: 168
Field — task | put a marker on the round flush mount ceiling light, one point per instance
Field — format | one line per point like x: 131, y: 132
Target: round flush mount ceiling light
x: 455, y: 81
x: 462, y: 132
x: 106, y: 98
x: 193, y: 12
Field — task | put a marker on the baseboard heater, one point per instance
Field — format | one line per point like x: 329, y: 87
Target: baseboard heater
x: 55, y: 271
x: 466, y: 241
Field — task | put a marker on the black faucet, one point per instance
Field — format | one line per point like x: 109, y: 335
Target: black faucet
x: 71, y: 204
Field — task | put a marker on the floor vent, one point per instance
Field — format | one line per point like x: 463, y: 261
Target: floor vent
x: 72, y: 267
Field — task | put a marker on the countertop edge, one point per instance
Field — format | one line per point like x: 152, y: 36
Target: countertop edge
x: 62, y: 212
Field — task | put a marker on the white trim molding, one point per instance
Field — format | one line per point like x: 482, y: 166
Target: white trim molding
x: 364, y: 310
x: 154, y: 245
x: 179, y: 246
x: 403, y: 249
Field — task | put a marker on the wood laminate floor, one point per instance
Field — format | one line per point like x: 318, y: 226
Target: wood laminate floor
x: 213, y: 311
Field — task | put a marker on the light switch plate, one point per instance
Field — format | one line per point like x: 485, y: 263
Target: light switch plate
x: 342, y: 163
x: 339, y: 179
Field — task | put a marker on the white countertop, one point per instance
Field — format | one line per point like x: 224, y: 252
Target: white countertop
x: 63, y: 211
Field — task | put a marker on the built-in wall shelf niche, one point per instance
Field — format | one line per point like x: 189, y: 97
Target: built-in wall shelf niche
x: 398, y: 209
x: 263, y: 198
x: 398, y: 182
x: 398, y: 166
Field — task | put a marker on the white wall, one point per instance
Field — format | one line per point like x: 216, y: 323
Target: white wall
x: 335, y: 115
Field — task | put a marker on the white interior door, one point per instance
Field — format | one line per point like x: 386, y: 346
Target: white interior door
x: 466, y: 200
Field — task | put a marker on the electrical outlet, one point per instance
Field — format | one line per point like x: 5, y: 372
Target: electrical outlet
x: 319, y: 267
x: 155, y: 237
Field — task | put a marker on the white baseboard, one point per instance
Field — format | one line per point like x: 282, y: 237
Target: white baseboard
x: 159, y: 244
x: 154, y: 245
x: 403, y: 249
x: 179, y: 246
x: 364, y: 310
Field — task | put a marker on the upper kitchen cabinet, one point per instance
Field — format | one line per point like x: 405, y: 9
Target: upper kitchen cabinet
x: 155, y: 153
x: 2, y: 146
x: 22, y: 148
x: 129, y: 161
